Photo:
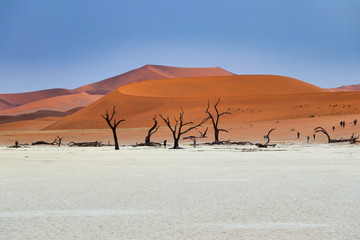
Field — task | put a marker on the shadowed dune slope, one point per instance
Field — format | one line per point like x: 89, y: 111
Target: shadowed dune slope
x: 59, y: 103
x: 149, y: 72
x: 11, y: 100
x: 293, y: 99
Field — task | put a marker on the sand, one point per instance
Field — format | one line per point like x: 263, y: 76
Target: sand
x: 285, y: 131
x: 292, y: 191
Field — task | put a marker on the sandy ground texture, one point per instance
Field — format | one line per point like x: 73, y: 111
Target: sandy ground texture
x: 292, y: 191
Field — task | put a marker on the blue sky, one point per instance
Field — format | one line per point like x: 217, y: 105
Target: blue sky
x: 69, y: 43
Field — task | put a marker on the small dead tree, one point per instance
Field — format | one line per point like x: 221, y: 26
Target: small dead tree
x: 179, y: 124
x: 267, y: 142
x: 113, y: 123
x: 203, y: 134
x: 352, y: 139
x: 215, y: 120
x: 151, y: 131
x: 59, y: 139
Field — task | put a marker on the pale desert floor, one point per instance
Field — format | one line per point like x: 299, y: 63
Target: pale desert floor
x: 292, y: 191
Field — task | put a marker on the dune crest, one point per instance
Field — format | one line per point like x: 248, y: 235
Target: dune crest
x: 149, y: 72
x: 224, y: 86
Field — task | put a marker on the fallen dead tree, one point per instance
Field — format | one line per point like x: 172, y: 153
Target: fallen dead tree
x: 85, y: 144
x: 57, y: 141
x: 228, y: 142
x: 18, y: 145
x: 352, y: 139
x: 268, y: 140
x: 151, y: 144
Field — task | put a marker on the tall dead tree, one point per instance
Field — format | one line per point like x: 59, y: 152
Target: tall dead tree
x: 179, y: 124
x: 151, y: 131
x: 215, y: 120
x: 113, y: 123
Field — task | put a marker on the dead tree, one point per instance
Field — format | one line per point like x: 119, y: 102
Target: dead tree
x: 352, y: 139
x: 151, y: 131
x: 44, y: 143
x: 85, y: 144
x: 267, y: 142
x: 215, y: 120
x: 113, y: 123
x: 203, y: 134
x: 179, y: 124
x: 59, y: 140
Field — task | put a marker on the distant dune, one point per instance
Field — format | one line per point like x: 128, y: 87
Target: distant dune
x: 59, y: 103
x: 348, y: 88
x: 11, y: 100
x: 149, y: 72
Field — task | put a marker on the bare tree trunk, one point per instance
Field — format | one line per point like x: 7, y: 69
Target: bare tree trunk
x: 215, y: 120
x: 113, y: 125
x: 115, y: 138
x: 151, y: 131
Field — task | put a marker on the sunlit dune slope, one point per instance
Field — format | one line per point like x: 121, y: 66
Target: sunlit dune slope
x: 138, y: 110
x: 239, y: 85
x: 304, y: 100
x: 16, y: 99
x: 59, y: 103
x: 149, y: 72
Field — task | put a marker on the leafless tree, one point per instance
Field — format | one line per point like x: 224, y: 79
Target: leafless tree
x: 215, y: 119
x: 177, y: 128
x: 352, y: 139
x: 113, y: 123
x: 267, y: 142
x: 151, y: 131
x: 59, y: 139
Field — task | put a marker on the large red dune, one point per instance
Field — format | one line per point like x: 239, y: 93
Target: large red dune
x: 20, y: 103
x: 224, y: 86
x: 248, y: 98
x: 149, y: 72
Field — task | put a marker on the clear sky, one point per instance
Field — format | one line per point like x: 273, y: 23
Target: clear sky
x: 69, y: 43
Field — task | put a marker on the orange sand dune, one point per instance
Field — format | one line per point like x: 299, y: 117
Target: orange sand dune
x: 59, y: 103
x: 224, y: 86
x: 138, y: 110
x: 348, y: 88
x: 305, y: 101
x: 149, y: 72
x: 16, y: 99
